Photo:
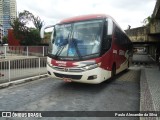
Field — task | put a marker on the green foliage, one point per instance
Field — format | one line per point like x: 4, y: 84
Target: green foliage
x: 147, y: 20
x: 5, y: 39
x: 31, y: 38
x: 26, y: 35
x: 48, y: 35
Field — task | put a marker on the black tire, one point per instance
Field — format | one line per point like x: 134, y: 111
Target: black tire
x: 128, y: 64
x: 113, y: 73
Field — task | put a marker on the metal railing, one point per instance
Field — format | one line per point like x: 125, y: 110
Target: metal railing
x: 11, y: 70
x: 23, y: 51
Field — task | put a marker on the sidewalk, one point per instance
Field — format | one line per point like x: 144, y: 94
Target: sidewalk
x: 150, y: 90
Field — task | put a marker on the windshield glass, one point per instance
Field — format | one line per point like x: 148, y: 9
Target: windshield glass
x: 78, y: 39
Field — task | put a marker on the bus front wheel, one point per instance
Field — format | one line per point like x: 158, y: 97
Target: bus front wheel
x: 128, y: 63
x: 113, y: 73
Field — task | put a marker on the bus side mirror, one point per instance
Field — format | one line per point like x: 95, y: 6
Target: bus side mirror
x: 109, y: 26
x: 43, y: 30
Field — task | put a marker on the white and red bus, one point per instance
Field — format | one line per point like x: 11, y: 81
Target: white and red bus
x: 87, y: 49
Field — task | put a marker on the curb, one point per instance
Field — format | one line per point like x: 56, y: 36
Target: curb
x: 4, y: 85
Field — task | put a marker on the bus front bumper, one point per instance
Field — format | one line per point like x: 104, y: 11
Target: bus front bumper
x: 93, y: 76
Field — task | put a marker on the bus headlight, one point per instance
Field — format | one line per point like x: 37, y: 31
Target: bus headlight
x: 89, y: 67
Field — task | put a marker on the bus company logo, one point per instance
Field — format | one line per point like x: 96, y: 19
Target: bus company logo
x: 66, y: 69
x: 61, y: 63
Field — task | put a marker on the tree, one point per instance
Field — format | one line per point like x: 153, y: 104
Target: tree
x: 147, y: 21
x: 5, y: 39
x: 26, y: 35
x: 37, y: 22
x: 27, y: 16
x: 33, y: 37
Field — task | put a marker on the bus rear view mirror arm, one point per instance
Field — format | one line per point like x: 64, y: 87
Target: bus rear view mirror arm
x: 43, y: 29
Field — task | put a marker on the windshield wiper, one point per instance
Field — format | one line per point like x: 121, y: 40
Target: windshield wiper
x: 61, y: 48
x: 59, y: 51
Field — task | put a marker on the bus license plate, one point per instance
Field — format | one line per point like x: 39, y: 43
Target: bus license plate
x: 67, y: 80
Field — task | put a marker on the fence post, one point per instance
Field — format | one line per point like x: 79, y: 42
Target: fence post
x: 27, y: 51
x: 9, y: 70
x: 5, y: 51
x: 43, y: 51
x: 39, y: 65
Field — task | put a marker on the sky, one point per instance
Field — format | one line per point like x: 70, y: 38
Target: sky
x: 125, y: 12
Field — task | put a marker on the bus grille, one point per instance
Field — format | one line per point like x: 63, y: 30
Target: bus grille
x: 77, y: 77
x: 68, y: 69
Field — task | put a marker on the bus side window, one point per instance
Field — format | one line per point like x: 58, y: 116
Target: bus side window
x: 121, y: 38
x: 109, y: 32
x: 107, y: 35
x: 118, y: 36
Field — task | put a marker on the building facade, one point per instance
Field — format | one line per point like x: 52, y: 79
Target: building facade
x: 1, y: 33
x: 1, y: 12
x: 8, y: 12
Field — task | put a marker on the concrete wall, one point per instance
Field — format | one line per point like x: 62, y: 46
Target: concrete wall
x: 155, y: 27
x: 138, y: 34
x: 151, y: 51
x: 156, y: 12
x: 144, y: 34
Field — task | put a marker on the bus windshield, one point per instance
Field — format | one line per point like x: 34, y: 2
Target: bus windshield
x: 77, y: 40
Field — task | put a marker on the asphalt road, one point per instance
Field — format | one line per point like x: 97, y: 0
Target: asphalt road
x: 120, y: 94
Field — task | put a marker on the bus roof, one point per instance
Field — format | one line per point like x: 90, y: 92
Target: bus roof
x: 88, y: 17
x: 84, y: 17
